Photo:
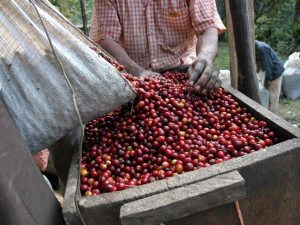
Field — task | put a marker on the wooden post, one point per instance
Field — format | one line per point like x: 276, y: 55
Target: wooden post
x: 83, y: 16
x: 252, y: 25
x: 247, y: 81
x: 25, y: 197
x: 232, y: 53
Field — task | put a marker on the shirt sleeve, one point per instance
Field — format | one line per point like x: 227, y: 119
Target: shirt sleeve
x: 204, y: 15
x: 266, y: 61
x: 105, y: 21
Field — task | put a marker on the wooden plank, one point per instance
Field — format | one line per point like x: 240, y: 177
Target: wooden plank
x: 247, y: 82
x: 184, y: 201
x: 252, y: 25
x: 25, y: 197
x: 232, y: 51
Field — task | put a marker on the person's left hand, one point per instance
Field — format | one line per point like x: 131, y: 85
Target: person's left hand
x: 203, y: 76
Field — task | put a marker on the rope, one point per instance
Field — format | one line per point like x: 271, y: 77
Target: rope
x: 237, y: 206
x: 75, y: 106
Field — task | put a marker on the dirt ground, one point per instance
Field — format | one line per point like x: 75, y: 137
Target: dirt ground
x: 290, y: 111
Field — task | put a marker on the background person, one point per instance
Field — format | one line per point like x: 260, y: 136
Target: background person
x: 268, y: 62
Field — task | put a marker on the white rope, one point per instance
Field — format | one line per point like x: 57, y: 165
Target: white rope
x: 75, y: 106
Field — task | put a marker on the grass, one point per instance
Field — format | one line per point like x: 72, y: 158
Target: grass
x: 222, y: 60
x: 290, y: 110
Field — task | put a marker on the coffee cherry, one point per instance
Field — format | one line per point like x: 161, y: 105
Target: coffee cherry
x: 167, y: 131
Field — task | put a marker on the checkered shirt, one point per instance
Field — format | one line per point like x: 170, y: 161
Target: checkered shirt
x: 157, y: 34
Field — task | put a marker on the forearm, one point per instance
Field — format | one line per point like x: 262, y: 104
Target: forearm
x: 117, y: 51
x: 207, y: 45
x: 201, y: 71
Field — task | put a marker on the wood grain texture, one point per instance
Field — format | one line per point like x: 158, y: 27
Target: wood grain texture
x: 184, y: 201
x: 234, y: 73
x: 25, y: 197
x: 247, y: 82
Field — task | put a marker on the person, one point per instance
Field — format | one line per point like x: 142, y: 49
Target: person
x: 268, y: 62
x: 149, y: 36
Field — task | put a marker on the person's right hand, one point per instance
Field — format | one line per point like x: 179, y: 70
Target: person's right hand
x: 147, y: 73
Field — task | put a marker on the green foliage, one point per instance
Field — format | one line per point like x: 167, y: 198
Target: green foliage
x: 275, y: 25
x: 289, y: 40
x: 89, y: 10
x: 71, y: 10
x: 221, y: 9
x: 222, y: 61
x: 54, y: 2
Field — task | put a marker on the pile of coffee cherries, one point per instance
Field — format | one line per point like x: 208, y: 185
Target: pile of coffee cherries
x: 168, y: 130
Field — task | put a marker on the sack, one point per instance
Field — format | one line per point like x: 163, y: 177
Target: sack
x: 293, y: 61
x: 225, y: 78
x: 263, y: 92
x: 264, y: 96
x: 34, y: 89
x: 291, y: 77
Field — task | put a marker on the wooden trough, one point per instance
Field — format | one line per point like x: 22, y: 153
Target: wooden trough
x: 266, y: 183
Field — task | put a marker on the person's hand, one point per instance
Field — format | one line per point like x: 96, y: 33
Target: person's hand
x: 147, y: 73
x: 41, y: 159
x: 203, y: 76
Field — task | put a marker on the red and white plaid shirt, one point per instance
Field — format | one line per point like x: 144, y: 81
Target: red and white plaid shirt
x: 157, y: 34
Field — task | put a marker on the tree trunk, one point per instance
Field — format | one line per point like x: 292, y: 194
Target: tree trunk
x: 84, y: 17
x: 297, y: 12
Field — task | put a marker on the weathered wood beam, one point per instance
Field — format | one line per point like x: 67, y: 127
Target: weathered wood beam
x: 252, y: 25
x: 25, y: 197
x: 184, y: 201
x: 247, y: 80
x: 232, y: 52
